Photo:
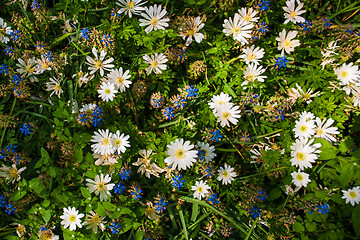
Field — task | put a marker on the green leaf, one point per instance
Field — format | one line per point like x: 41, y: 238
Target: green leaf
x: 310, y: 226
x: 34, y: 183
x: 47, y: 215
x: 355, y: 218
x: 345, y: 146
x: 18, y: 195
x: 274, y: 194
x: 85, y: 192
x: 45, y: 156
x: 298, y: 227
x: 52, y: 172
x: 138, y: 235
x: 78, y: 155
x: 195, y: 212
x: 109, y: 206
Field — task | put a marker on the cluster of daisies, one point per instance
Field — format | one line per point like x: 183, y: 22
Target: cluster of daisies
x: 349, y: 77
x: 224, y: 109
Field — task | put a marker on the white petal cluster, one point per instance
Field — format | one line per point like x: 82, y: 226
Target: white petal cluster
x: 300, y: 179
x: 286, y: 42
x: 154, y: 18
x: 253, y: 72
x: 107, y: 91
x: 224, y: 110
x: 239, y: 28
x: 181, y: 154
x: 99, y: 62
x: 4, y: 29
x: 209, y: 152
x: 201, y: 189
x: 101, y: 186
x: 292, y: 14
x: 190, y: 29
x: 252, y: 54
x: 71, y: 217
x: 130, y: 7
x: 352, y: 196
x: 226, y: 174
x: 156, y: 62
x: 106, y: 143
x: 304, y: 153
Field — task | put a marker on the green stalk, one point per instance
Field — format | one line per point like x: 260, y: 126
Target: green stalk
x: 3, y: 134
x: 181, y: 214
x: 252, y: 228
x: 257, y: 174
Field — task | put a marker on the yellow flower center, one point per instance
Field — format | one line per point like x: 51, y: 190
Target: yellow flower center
x: 225, y: 174
x: 120, y: 80
x: 352, y: 195
x: 99, y: 64
x: 72, y: 218
x: 100, y: 186
x: 293, y: 14
x: 237, y: 29
x: 303, y: 128
x: 344, y: 74
x: 300, y: 156
x: 200, y: 189
x: 287, y: 43
x: 154, y: 21
x: 107, y: 91
x: 221, y: 103
x: 154, y: 64
x: 57, y: 87
x: 251, y: 56
x: 44, y: 65
x: 105, y: 141
x: 150, y: 211
x: 226, y: 115
x: 247, y: 17
x: 180, y: 154
x: 299, y: 177
x: 30, y: 69
x: 130, y: 5
x: 95, y: 219
x: 250, y: 77
x: 117, y: 142
x: 319, y: 131
x: 13, y: 173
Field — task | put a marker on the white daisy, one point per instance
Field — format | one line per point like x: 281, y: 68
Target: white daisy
x: 107, y: 91
x: 120, y: 78
x: 98, y: 63
x: 107, y: 159
x: 303, y: 153
x: 101, y: 186
x: 94, y: 221
x: 102, y: 142
x: 352, y: 195
x: 153, y: 17
x: 201, y: 189
x: 286, y: 43
x: 218, y: 101
x: 130, y: 7
x: 28, y: 68
x: 228, y: 113
x: 252, y: 54
x: 11, y: 174
x: 54, y: 86
x: 253, y: 72
x: 145, y: 166
x: 209, y: 152
x: 156, y: 63
x: 248, y: 15
x: 4, y: 31
x: 190, y: 28
x: 181, y: 154
x: 88, y: 108
x: 42, y: 65
x: 304, y: 129
x: 306, y: 116
x: 71, y: 217
x: 120, y: 142
x: 300, y: 179
x: 226, y: 174
x: 293, y: 14
x: 323, y: 130
x: 239, y: 29
x: 348, y: 73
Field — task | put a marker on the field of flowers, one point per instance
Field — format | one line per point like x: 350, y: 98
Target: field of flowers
x: 187, y: 119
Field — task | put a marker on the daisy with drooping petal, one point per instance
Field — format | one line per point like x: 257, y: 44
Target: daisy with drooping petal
x: 11, y: 174
x: 71, y: 217
x: 4, y: 31
x: 153, y: 18
x: 156, y: 63
x: 253, y: 72
x: 94, y: 221
x: 201, y: 189
x: 107, y: 91
x: 228, y: 113
x: 101, y: 186
x: 248, y: 15
x: 98, y: 63
x: 323, y: 130
x: 107, y: 159
x: 352, y: 195
x: 293, y: 14
x: 28, y: 68
x: 239, y: 29
x: 120, y: 79
x: 54, y: 86
x: 190, y: 29
x: 304, y: 129
x: 306, y: 116
x: 130, y: 7
x: 300, y: 179
x: 303, y: 153
x: 102, y: 142
x: 348, y: 74
x: 208, y: 152
x: 286, y: 43
x: 252, y: 54
x: 145, y: 166
x: 181, y: 154
x: 226, y: 174
x: 120, y: 142
x: 218, y: 101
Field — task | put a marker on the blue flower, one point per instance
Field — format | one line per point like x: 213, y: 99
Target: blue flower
x: 3, y: 201
x: 3, y: 154
x: 48, y: 56
x: 16, y: 79
x: 263, y: 27
x: 119, y: 188
x: 324, y: 208
x: 4, y: 69
x: 161, y: 205
x: 255, y: 212
x: 168, y: 113
x: 27, y: 129
x: 179, y: 102
x: 217, y: 135
x: 264, y: 5
x: 18, y: 91
x: 281, y: 115
x: 9, y: 50
x: 15, y: 35
x: 178, y: 182
x: 208, y: 171
x: 10, y: 209
x: 201, y: 154
x: 281, y: 62
x: 214, y: 199
x: 96, y: 121
x: 106, y: 39
x: 124, y: 173
x: 327, y: 22
x: 307, y: 25
x: 192, y: 91
x: 137, y: 193
x: 82, y: 117
x: 262, y: 195
x: 11, y: 148
x: 35, y: 5
x: 156, y: 103
x: 115, y: 227
x: 84, y: 33
x: 97, y: 111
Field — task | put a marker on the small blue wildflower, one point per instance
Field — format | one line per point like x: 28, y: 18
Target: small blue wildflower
x: 16, y: 159
x: 115, y: 227
x: 214, y: 199
x: 253, y: 38
x: 178, y: 182
x: 281, y: 115
x: 15, y: 35
x: 119, y: 188
x: 255, y: 212
x: 217, y: 135
x: 9, y: 50
x: 208, y: 172
x: 161, y: 205
x: 35, y: 5
x: 3, y: 154
x: 263, y: 27
x: 3, y: 201
x: 281, y: 62
x: 48, y: 56
x: 349, y: 31
x: 201, y: 154
x: 82, y: 117
x: 264, y: 5
x: 324, y: 208
x: 327, y: 22
x: 11, y: 148
x: 192, y: 91
x: 97, y: 111
x: 156, y: 103
x: 84, y: 33
x: 179, y: 102
x: 96, y: 121
x: 181, y: 55
x: 27, y: 129
x: 262, y: 195
x: 16, y: 79
x: 137, y: 193
x: 4, y: 68
x: 39, y: 46
x: 307, y: 25
x: 18, y: 91
x: 10, y: 209
x: 106, y: 39
x: 124, y: 173
x: 168, y: 113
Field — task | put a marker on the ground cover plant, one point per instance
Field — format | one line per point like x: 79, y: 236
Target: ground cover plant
x: 189, y: 119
